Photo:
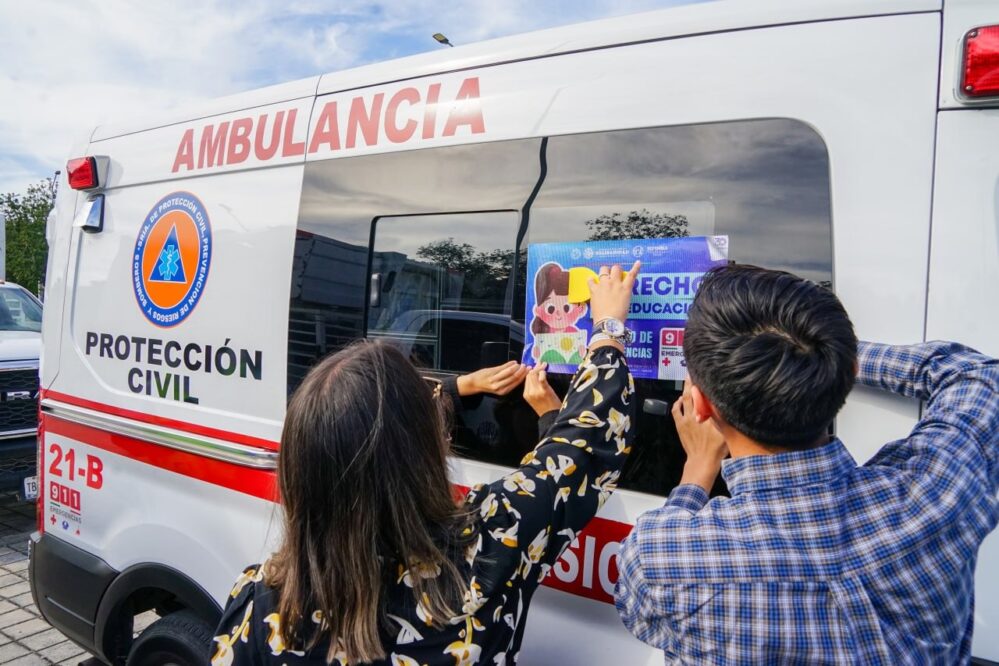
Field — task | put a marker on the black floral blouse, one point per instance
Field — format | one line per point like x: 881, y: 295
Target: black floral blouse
x: 527, y: 519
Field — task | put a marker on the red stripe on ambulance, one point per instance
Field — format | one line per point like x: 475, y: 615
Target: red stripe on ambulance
x: 142, y: 417
x: 588, y: 568
x: 256, y: 482
x: 371, y: 120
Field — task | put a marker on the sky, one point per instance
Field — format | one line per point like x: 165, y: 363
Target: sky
x: 69, y: 65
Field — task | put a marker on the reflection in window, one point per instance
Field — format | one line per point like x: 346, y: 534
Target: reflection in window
x: 444, y: 291
x: 19, y: 311
x: 439, y: 286
x: 764, y: 183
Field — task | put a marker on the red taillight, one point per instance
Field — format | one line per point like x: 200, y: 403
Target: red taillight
x: 981, y: 62
x: 82, y: 173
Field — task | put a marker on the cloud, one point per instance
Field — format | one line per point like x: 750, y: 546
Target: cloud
x: 83, y: 63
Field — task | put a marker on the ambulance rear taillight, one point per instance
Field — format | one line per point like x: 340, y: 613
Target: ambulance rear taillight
x: 82, y: 173
x: 88, y: 173
x: 981, y: 63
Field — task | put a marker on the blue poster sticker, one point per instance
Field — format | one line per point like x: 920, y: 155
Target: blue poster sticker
x: 672, y: 269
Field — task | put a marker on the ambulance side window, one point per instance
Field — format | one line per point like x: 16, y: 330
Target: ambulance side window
x: 390, y: 226
x: 763, y: 183
x: 398, y: 193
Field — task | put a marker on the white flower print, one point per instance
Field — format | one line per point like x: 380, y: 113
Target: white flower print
x: 423, y: 610
x: 274, y: 640
x: 474, y: 600
x: 224, y: 653
x: 246, y: 578
x: 606, y: 483
x: 536, y: 549
x: 587, y: 376
x: 617, y: 425
x: 506, y: 536
x: 422, y: 570
x: 519, y: 482
x: 407, y: 632
x: 586, y: 419
x: 559, y: 466
x: 465, y: 652
x: 489, y: 506
x: 473, y: 550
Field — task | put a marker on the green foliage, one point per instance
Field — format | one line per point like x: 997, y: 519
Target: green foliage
x: 464, y: 258
x: 637, y: 224
x: 25, y: 217
x: 484, y: 274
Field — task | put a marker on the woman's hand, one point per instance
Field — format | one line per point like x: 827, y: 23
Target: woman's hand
x: 610, y: 293
x: 498, y: 380
x: 538, y: 393
x: 704, y: 445
x: 610, y: 296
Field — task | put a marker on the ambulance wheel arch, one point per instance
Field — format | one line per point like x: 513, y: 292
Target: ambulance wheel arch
x: 147, y: 587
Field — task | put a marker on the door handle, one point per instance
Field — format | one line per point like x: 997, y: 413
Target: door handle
x: 375, y: 291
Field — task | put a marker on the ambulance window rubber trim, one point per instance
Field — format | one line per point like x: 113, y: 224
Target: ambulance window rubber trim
x: 208, y: 447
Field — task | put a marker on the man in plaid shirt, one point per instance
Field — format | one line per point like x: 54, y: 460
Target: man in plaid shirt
x: 814, y: 559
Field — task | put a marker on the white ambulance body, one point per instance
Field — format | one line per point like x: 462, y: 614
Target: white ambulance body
x: 221, y: 252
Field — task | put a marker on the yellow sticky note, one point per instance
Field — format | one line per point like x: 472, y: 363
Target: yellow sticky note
x: 579, y: 286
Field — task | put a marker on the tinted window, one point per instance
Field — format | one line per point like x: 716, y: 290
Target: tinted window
x: 19, y: 311
x: 343, y: 198
x: 764, y: 183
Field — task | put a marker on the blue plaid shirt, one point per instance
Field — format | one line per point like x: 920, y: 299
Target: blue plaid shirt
x: 814, y: 559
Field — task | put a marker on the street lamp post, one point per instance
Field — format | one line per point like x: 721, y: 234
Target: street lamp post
x: 442, y: 39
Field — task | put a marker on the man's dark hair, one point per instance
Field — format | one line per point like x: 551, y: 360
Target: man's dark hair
x: 775, y: 353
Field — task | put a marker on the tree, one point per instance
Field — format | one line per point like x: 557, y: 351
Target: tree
x: 637, y: 224
x: 484, y: 274
x: 25, y: 216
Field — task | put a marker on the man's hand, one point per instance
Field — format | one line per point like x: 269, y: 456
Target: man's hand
x: 498, y: 380
x: 538, y: 393
x: 704, y: 445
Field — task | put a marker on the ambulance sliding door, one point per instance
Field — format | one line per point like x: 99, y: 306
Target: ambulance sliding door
x: 418, y: 248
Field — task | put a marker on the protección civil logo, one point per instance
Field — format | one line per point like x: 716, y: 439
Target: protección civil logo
x: 173, y: 253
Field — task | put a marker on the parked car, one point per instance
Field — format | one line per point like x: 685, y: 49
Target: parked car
x: 20, y: 345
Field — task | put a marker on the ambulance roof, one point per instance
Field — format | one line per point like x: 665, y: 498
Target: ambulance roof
x: 685, y: 20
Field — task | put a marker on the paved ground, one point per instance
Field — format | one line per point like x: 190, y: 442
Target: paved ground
x: 25, y: 638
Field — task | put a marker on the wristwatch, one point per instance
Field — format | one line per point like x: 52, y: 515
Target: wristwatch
x: 614, y: 329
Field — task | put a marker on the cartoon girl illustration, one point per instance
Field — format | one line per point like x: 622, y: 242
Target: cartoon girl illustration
x: 557, y: 340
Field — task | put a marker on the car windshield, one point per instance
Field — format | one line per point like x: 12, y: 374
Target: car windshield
x: 19, y: 311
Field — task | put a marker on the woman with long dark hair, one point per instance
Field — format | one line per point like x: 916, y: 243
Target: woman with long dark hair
x: 380, y: 563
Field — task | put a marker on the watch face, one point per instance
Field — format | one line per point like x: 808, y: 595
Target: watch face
x: 614, y: 327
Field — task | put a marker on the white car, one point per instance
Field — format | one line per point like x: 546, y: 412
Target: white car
x: 20, y: 345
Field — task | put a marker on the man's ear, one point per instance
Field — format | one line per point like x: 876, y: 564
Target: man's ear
x: 703, y: 409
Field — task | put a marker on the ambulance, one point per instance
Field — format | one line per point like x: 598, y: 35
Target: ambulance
x: 202, y: 262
